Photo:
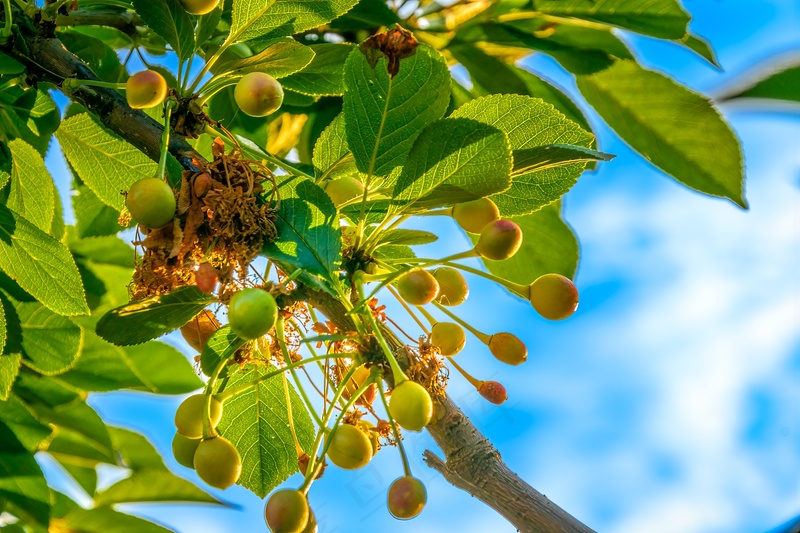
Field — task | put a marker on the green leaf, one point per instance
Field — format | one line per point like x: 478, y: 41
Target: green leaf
x: 260, y: 19
x: 93, y: 218
x: 701, y: 47
x: 32, y: 193
x: 529, y: 123
x: 385, y: 115
x: 279, y: 60
x: 407, y: 237
x: 9, y: 368
x: 366, y: 15
x: 152, y: 486
x: 51, y: 343
x: 107, y: 164
x: 136, y: 451
x: 22, y: 422
x: 153, y: 367
x: 676, y: 129
x: 169, y: 19
x: 107, y: 250
x: 554, y: 155
x: 220, y: 347
x: 9, y: 65
x: 324, y: 76
x: 332, y: 158
x: 21, y: 480
x: 257, y: 424
x: 93, y: 49
x: 149, y: 318
x: 3, y: 334
x: 548, y: 245
x: 85, y: 477
x: 40, y: 264
x: 453, y: 160
x: 779, y: 81
x: 309, y: 236
x: 665, y: 19
x: 207, y: 25
x: 105, y: 520
x: 163, y: 368
x: 76, y: 423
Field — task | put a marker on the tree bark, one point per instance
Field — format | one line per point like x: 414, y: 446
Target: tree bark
x: 471, y: 462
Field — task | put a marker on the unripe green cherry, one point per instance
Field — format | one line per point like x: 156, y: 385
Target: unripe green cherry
x: 151, y: 202
x: 342, y: 190
x: 252, y: 313
x: 407, y: 497
x: 418, y: 287
x: 349, y: 447
x: 411, y: 406
x: 217, y: 462
x: 183, y: 449
x: 190, y: 414
x: 508, y: 348
x: 499, y: 240
x: 199, y: 7
x: 453, y: 288
x: 258, y: 94
x: 473, y: 216
x: 146, y: 88
x: 287, y: 511
x: 553, y: 296
x: 449, y: 337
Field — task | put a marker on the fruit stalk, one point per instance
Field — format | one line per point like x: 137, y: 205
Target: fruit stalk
x: 403, y: 456
x: 162, y: 160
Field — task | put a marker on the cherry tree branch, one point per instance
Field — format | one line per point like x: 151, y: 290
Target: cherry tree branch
x: 471, y: 462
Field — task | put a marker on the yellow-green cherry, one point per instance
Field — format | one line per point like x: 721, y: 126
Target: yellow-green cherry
x: 411, y: 406
x: 474, y: 215
x: 252, y: 312
x: 287, y: 511
x: 151, y: 202
x: 553, y: 296
x: 258, y: 94
x: 146, y: 88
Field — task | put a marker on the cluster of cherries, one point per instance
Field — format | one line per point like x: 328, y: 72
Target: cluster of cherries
x: 253, y: 313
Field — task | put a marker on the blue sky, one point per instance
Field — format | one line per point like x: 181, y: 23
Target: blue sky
x: 669, y: 403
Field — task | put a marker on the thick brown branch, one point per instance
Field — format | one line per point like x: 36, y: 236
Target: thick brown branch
x: 48, y: 61
x: 127, y: 21
x: 471, y: 463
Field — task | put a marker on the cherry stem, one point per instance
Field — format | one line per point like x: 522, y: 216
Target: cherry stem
x: 291, y: 277
x: 397, y: 373
x: 162, y: 160
x: 474, y: 382
x: 517, y: 288
x: 483, y: 337
x: 71, y: 84
x: 279, y: 331
x: 289, y: 413
x: 208, y: 430
x: 316, y: 462
x: 428, y: 316
x: 403, y: 456
x: 6, y: 31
